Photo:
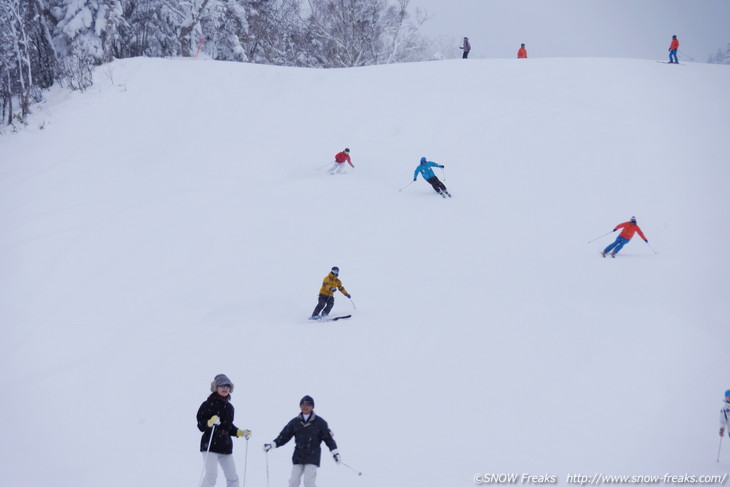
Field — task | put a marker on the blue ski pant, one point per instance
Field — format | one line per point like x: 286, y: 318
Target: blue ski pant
x: 617, y: 245
x: 673, y: 56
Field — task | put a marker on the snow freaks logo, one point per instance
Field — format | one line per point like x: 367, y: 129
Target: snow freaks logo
x: 600, y: 479
x: 514, y: 478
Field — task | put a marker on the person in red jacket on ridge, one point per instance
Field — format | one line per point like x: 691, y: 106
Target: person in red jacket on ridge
x: 673, y: 48
x: 522, y: 53
x: 629, y: 229
x: 340, y: 160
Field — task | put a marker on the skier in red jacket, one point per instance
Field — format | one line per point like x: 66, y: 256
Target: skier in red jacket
x: 340, y: 159
x: 522, y: 52
x: 629, y: 229
x: 673, y: 48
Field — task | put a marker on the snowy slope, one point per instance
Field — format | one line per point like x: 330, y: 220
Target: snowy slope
x: 172, y: 223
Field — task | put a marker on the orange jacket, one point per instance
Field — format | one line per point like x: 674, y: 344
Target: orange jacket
x: 674, y: 45
x: 629, y: 229
x: 522, y: 53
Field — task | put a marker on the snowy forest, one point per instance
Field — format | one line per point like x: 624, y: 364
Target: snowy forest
x: 47, y: 41
x: 43, y: 42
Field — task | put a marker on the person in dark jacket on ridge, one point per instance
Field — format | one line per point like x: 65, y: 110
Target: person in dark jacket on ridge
x: 215, y: 417
x: 308, y: 431
x: 326, y: 301
x: 466, y: 47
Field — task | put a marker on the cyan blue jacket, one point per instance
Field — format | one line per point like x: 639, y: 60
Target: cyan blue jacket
x: 425, y: 170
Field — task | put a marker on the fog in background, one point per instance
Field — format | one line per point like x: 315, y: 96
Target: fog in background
x: 579, y: 28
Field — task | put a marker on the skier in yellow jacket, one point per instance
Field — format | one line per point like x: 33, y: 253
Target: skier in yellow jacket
x: 326, y: 300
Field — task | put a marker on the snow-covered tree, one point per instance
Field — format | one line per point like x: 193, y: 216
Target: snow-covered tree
x: 346, y: 33
x: 721, y: 56
x: 27, y: 58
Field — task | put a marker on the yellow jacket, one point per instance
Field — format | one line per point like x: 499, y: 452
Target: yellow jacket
x: 330, y: 284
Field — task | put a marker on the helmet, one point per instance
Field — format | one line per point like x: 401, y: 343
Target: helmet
x: 347, y: 150
x: 727, y: 393
x: 335, y: 270
x: 423, y: 160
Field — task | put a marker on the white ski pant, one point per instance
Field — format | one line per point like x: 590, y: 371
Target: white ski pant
x: 337, y: 168
x: 308, y: 472
x: 211, y: 469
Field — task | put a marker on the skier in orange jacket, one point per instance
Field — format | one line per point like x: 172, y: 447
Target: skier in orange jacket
x: 673, y: 48
x: 522, y: 53
x: 629, y: 229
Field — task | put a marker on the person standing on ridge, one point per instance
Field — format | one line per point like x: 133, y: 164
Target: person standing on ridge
x: 725, y: 414
x: 215, y: 421
x: 326, y: 301
x: 673, y: 48
x: 340, y: 159
x: 629, y: 229
x: 466, y: 47
x: 309, y: 431
x: 424, y: 169
x: 522, y: 52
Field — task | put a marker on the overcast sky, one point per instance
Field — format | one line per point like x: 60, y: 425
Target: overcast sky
x: 582, y: 28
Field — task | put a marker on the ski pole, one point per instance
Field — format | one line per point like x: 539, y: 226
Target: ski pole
x: 245, y: 463
x: 326, y: 164
x: 590, y: 241
x: 353, y: 303
x: 404, y: 187
x: 443, y: 172
x: 346, y: 465
x: 718, y: 450
x: 652, y: 248
x: 267, y: 469
x: 207, y: 452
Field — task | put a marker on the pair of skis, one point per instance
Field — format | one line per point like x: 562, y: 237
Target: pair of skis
x: 330, y: 318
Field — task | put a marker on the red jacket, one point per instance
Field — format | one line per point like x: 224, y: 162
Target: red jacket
x: 343, y: 157
x: 522, y: 53
x: 629, y: 229
x: 674, y: 45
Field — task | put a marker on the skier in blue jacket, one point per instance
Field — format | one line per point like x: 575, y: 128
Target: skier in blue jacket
x: 424, y: 169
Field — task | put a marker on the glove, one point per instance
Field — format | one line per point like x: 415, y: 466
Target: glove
x: 348, y: 296
x: 333, y: 289
x: 336, y: 456
x: 269, y: 446
x: 442, y: 166
x: 245, y: 433
x: 646, y: 241
x: 615, y: 229
x: 214, y: 420
x: 722, y: 431
x: 414, y: 179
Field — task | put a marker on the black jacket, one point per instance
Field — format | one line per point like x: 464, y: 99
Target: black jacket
x: 217, y: 405
x: 308, y: 435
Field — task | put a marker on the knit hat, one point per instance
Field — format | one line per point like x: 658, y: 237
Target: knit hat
x: 307, y: 399
x: 220, y: 380
x: 633, y: 219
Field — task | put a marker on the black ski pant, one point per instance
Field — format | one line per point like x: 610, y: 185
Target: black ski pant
x: 465, y: 55
x: 324, y: 305
x: 438, y: 186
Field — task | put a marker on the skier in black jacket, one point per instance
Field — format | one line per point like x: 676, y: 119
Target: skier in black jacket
x: 309, y: 431
x: 215, y: 416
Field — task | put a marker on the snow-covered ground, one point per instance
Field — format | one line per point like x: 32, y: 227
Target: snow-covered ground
x: 171, y: 223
